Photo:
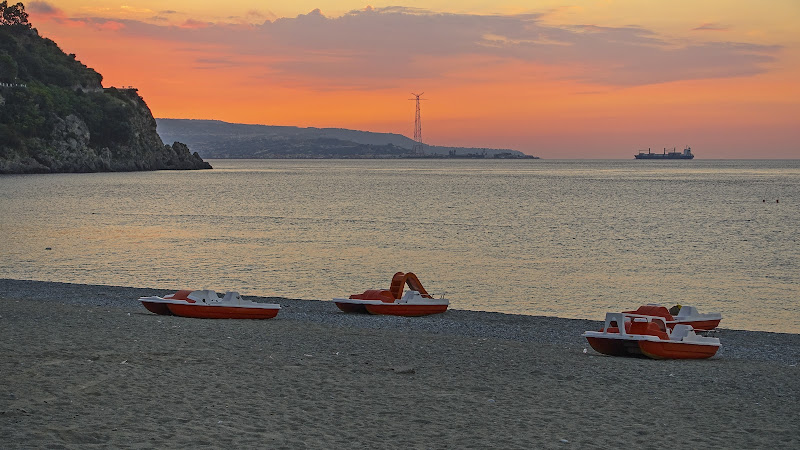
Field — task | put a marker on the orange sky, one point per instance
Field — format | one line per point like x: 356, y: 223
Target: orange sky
x: 599, y: 80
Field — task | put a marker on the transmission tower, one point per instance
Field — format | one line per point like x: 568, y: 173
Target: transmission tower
x: 418, y: 149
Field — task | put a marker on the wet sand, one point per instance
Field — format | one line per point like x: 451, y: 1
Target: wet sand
x: 87, y: 366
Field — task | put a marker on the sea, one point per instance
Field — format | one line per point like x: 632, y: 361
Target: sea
x: 563, y: 238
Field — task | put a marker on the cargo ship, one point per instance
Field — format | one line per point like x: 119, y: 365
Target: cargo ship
x: 687, y: 154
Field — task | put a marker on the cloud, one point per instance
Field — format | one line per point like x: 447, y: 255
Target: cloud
x: 256, y: 14
x: 367, y: 47
x: 111, y: 25
x: 216, y: 63
x: 44, y: 9
x: 252, y: 16
x: 710, y: 27
x: 134, y: 10
x: 191, y: 23
x: 163, y: 16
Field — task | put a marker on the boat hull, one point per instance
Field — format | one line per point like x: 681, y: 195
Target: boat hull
x: 612, y: 347
x: 677, y: 350
x: 222, y: 312
x: 404, y: 309
x: 159, y: 308
x: 700, y: 325
x: 158, y: 305
x: 352, y: 307
x: 662, y: 156
x: 686, y: 154
x: 651, y: 349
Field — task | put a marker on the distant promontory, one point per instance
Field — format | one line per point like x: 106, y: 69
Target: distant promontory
x: 55, y: 115
x: 217, y: 139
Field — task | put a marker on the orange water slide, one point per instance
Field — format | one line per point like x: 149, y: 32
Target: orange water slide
x: 400, y: 279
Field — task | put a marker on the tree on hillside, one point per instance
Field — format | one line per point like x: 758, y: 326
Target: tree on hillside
x: 13, y: 15
x: 8, y: 67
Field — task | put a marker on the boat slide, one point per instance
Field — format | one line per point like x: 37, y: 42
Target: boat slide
x: 415, y: 302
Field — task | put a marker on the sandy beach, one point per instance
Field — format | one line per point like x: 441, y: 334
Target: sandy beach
x: 88, y: 367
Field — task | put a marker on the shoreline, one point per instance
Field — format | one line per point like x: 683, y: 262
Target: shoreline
x: 738, y: 344
x: 87, y: 365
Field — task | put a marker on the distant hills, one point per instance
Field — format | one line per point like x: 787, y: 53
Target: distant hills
x: 217, y: 139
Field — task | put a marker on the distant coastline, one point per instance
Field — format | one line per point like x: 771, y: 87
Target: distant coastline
x: 454, y: 155
x: 216, y: 139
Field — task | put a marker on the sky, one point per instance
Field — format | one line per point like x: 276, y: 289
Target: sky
x: 557, y: 79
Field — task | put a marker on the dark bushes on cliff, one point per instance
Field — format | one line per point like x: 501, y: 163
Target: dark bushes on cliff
x: 56, y: 116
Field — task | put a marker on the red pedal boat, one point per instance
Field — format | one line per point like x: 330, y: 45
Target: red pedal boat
x: 415, y: 302
x: 205, y: 304
x: 686, y: 315
x: 643, y: 335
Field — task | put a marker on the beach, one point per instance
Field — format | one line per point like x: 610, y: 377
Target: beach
x: 86, y: 366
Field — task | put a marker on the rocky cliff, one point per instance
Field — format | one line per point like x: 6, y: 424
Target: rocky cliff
x: 55, y: 116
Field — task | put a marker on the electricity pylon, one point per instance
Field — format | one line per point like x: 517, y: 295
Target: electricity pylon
x: 418, y: 149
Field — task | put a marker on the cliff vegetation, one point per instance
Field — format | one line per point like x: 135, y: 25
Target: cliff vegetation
x: 55, y: 115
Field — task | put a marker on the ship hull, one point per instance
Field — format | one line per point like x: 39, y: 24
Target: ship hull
x: 686, y: 154
x: 662, y: 156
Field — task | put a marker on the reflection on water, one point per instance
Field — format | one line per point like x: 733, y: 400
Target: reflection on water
x: 561, y: 238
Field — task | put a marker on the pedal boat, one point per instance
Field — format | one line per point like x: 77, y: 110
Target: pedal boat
x: 687, y: 315
x: 206, y: 304
x: 649, y: 336
x: 415, y: 302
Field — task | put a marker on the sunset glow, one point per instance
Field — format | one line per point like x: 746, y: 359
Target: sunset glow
x: 550, y: 78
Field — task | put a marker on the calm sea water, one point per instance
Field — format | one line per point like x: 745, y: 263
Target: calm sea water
x: 558, y: 238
